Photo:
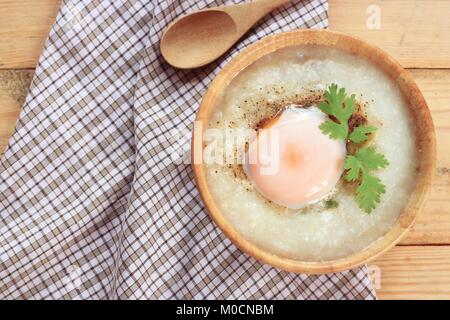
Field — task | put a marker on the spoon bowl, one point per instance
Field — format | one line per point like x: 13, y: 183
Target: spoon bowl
x: 198, y: 38
x: 189, y: 42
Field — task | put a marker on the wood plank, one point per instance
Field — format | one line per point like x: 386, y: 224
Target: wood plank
x: 415, y: 32
x: 432, y: 226
x: 24, y: 26
x: 413, y: 272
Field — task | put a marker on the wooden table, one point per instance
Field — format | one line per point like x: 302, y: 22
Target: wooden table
x: 415, y: 32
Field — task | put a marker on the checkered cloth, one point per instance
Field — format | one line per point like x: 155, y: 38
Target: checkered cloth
x: 92, y: 205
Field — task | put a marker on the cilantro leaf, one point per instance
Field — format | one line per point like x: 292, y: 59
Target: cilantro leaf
x: 359, y: 134
x: 334, y: 130
x: 370, y: 188
x: 339, y: 106
x: 364, y: 159
x: 353, y: 166
x: 348, y: 109
x: 325, y: 107
x: 368, y: 192
x: 371, y: 159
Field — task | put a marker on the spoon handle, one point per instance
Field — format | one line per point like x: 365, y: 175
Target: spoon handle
x: 246, y: 14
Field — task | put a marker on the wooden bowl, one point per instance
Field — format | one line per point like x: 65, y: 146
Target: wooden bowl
x: 418, y: 109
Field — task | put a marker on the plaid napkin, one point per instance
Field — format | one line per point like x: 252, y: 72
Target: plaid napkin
x: 92, y: 203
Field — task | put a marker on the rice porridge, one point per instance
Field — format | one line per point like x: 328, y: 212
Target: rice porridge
x: 335, y: 226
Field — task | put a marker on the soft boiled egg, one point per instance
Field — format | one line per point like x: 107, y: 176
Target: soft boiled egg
x: 291, y: 162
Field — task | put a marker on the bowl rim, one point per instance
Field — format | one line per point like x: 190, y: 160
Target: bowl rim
x: 417, y: 106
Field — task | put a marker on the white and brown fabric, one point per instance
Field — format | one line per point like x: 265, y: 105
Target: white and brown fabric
x: 93, y: 204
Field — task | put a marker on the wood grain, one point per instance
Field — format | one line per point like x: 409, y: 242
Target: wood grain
x: 433, y: 225
x: 415, y: 32
x: 24, y: 26
x: 414, y: 272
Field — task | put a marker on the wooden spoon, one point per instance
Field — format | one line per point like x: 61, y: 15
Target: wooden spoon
x: 199, y: 38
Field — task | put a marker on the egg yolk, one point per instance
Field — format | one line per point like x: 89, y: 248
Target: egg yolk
x: 291, y: 162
